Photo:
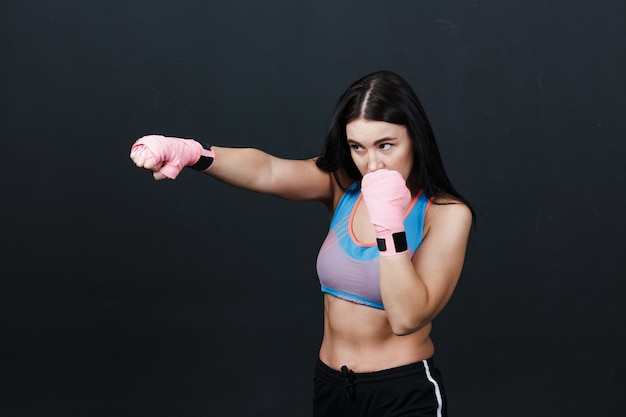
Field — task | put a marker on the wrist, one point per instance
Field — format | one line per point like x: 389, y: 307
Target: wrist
x: 391, y: 243
x: 205, y: 159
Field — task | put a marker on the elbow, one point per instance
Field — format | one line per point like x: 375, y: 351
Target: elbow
x: 403, y: 331
x: 405, y: 327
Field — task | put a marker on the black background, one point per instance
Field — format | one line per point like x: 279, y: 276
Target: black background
x: 122, y: 296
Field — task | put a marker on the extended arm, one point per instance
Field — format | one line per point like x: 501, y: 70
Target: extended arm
x: 246, y: 168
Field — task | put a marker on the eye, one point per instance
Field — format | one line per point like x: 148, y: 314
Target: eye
x: 356, y: 148
x: 385, y: 146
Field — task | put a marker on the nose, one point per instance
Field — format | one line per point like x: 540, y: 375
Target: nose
x: 374, y: 163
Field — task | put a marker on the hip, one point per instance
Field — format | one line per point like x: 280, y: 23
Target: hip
x: 412, y: 389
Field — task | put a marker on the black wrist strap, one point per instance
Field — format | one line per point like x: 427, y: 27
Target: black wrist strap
x: 204, y: 162
x: 399, y: 242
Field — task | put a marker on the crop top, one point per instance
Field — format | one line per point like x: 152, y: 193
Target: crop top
x: 348, y: 269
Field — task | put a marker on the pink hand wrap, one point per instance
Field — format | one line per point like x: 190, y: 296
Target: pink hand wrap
x: 173, y: 153
x: 387, y: 197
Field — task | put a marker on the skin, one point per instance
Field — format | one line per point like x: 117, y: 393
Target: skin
x: 414, y: 290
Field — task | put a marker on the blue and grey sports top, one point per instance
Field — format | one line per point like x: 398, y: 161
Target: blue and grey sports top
x: 349, y: 269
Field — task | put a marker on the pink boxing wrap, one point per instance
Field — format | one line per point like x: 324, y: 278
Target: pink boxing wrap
x: 173, y: 153
x: 386, y: 197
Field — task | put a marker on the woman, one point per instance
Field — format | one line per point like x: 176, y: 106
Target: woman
x: 395, y: 248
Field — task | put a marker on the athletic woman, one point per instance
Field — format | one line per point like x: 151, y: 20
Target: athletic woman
x: 394, y: 251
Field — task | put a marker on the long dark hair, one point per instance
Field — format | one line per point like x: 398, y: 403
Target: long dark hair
x: 387, y: 97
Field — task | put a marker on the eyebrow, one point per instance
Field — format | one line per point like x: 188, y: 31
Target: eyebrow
x: 376, y: 142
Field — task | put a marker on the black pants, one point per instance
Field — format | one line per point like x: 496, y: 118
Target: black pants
x: 414, y: 390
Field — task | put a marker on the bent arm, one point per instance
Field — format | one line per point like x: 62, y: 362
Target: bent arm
x: 414, y: 292
x: 255, y: 170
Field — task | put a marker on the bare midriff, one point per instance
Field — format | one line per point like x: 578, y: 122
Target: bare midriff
x: 361, y: 338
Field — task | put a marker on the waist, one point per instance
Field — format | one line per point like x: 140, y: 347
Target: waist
x: 374, y: 379
x: 361, y: 338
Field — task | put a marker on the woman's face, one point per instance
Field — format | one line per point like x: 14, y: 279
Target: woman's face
x: 375, y: 145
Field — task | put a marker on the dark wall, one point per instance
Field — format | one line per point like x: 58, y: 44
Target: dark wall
x: 124, y: 296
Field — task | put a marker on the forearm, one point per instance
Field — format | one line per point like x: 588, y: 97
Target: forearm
x: 404, y: 295
x: 246, y: 168
x: 255, y: 170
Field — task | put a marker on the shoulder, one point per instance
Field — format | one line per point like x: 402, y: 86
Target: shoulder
x: 340, y: 184
x: 447, y: 212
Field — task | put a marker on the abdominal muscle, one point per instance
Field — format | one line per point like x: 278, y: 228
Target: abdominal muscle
x: 361, y: 338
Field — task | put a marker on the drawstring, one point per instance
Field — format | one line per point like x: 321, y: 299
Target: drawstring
x: 348, y: 376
